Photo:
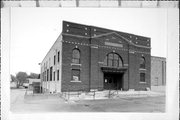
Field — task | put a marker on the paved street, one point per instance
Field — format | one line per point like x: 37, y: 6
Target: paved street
x: 57, y: 104
x: 17, y: 97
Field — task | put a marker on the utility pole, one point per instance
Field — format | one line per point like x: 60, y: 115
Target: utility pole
x: 119, y: 3
x: 37, y: 3
x: 77, y: 3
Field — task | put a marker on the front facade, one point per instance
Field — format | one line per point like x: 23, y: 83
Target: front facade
x: 88, y: 57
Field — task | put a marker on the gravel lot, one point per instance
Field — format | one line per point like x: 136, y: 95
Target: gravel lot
x: 57, y: 104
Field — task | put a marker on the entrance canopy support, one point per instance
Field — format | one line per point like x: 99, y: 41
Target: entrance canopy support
x: 113, y: 69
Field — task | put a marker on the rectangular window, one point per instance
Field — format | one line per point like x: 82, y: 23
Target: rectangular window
x: 57, y: 74
x: 58, y: 55
x: 44, y: 76
x: 54, y: 59
x: 51, y: 73
x: 47, y: 74
x: 54, y: 75
x: 142, y: 77
x: 75, y: 74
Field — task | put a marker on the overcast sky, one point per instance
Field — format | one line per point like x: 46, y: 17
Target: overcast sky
x: 34, y: 30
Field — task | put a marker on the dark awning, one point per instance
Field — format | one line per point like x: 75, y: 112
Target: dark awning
x: 113, y: 69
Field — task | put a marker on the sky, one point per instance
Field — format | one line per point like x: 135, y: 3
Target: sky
x: 34, y: 30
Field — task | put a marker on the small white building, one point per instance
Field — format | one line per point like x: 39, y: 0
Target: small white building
x: 31, y: 81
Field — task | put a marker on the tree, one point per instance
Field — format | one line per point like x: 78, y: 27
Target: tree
x: 13, y: 78
x: 33, y: 76
x: 2, y: 4
x: 21, y: 77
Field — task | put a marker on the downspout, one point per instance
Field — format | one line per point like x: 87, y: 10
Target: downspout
x: 119, y: 3
x: 128, y: 67
x: 90, y: 59
x: 37, y: 3
x: 158, y: 4
x: 98, y: 67
x: 77, y: 3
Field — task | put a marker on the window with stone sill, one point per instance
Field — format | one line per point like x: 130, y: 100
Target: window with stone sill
x: 75, y: 75
x: 142, y: 77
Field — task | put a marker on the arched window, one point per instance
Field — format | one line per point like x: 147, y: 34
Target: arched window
x: 113, y: 60
x: 76, y: 56
x: 142, y: 63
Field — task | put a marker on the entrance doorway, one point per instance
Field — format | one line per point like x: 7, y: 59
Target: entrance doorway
x: 113, y: 81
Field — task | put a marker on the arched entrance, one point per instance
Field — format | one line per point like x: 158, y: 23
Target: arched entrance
x: 113, y: 71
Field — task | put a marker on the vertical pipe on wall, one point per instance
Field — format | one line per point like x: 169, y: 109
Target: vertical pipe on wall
x: 162, y: 73
x: 90, y: 59
x: 56, y: 62
x: 77, y: 3
x: 119, y: 3
x: 158, y: 4
x: 128, y: 68
x: 98, y: 67
x: 37, y: 3
x: 165, y: 72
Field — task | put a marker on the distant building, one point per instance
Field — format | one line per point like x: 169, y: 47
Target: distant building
x: 31, y: 82
x: 158, y: 71
x: 88, y: 57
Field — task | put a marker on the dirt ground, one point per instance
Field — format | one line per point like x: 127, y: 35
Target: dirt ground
x: 57, y: 104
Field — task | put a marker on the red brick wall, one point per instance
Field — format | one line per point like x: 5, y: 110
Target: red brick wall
x: 92, y: 56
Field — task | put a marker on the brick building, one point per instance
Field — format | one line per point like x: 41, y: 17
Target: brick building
x: 87, y: 57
